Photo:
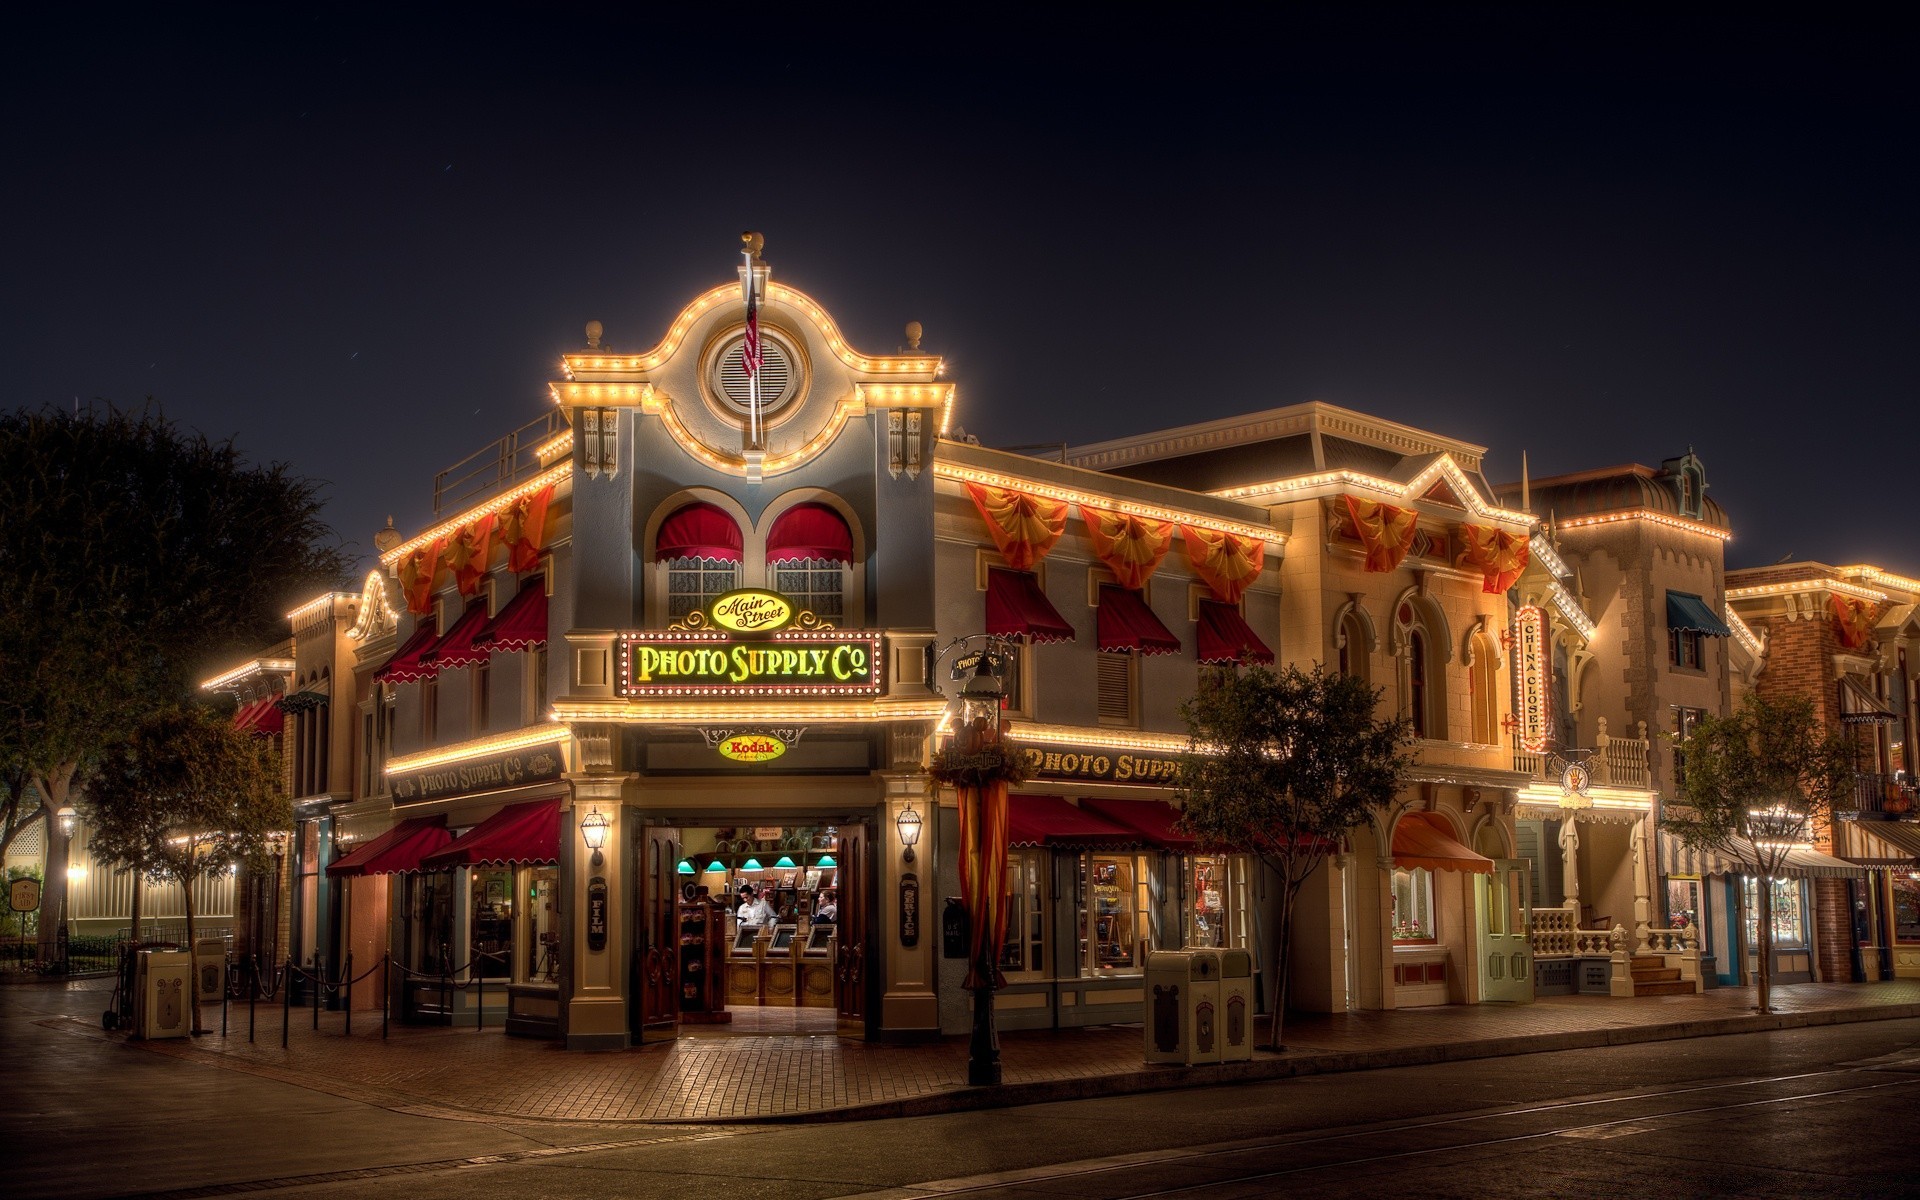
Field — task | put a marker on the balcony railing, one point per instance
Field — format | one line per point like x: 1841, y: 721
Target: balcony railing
x: 1885, y: 797
x: 497, y: 467
x: 1613, y: 761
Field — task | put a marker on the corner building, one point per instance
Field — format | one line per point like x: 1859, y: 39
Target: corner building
x: 659, y: 650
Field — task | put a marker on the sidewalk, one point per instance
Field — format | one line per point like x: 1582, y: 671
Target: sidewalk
x: 468, y: 1074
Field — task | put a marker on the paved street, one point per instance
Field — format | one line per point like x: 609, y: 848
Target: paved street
x: 1749, y: 1114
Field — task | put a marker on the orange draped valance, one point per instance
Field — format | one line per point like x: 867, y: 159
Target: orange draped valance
x: 416, y: 572
x: 1023, y: 525
x: 1385, y: 531
x: 523, y: 529
x: 1500, y: 556
x: 1226, y: 561
x: 467, y: 554
x: 1130, y: 546
x: 1852, y: 621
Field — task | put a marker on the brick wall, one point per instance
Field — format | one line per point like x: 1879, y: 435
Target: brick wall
x: 1833, y: 929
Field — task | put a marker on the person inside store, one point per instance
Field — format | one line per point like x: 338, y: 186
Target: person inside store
x: 829, y: 909
x: 754, y: 911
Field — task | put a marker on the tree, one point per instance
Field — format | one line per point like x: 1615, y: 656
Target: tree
x: 1754, y: 785
x: 185, y: 796
x: 133, y: 554
x: 1283, y: 765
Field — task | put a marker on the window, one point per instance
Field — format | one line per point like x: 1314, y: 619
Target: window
x: 429, y: 939
x: 536, y: 689
x: 490, y: 937
x: 1413, y: 916
x: 1024, y: 953
x: 1684, y: 721
x: 482, y: 697
x: 366, y: 754
x: 538, y: 959
x: 1906, y: 906
x: 307, y: 904
x: 1216, y: 909
x: 1417, y: 682
x: 1684, y: 909
x: 694, y: 583
x: 1789, y: 913
x: 1484, y: 679
x: 1214, y: 676
x: 1114, y: 688
x: 429, y: 710
x: 1014, y: 700
x: 1686, y: 649
x: 817, y: 585
x: 1351, y: 647
x: 1114, y: 913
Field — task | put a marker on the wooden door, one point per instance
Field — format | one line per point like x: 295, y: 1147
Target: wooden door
x: 1506, y: 942
x: 859, y: 887
x: 656, y: 952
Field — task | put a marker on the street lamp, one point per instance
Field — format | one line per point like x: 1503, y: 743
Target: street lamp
x: 908, y: 823
x: 593, y: 831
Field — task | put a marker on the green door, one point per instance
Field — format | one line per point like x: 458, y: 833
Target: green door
x: 1506, y: 941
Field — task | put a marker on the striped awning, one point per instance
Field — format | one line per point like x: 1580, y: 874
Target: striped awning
x: 1678, y: 858
x: 1883, y: 843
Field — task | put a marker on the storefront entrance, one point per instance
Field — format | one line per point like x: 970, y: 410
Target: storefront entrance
x: 752, y: 929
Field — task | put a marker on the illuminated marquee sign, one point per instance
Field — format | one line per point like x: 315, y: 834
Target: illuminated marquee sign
x: 797, y: 663
x: 1102, y: 764
x: 1534, y: 673
x: 752, y: 748
x: 495, y: 773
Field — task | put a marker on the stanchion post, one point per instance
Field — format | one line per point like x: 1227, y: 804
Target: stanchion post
x: 480, y: 1000
x: 349, y: 998
x: 253, y: 991
x: 386, y: 991
x: 319, y: 978
x: 286, y: 1002
x: 226, y: 993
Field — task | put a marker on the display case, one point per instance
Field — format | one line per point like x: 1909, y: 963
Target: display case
x: 702, y: 954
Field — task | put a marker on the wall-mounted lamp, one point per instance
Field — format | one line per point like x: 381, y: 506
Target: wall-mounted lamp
x: 67, y: 817
x: 593, y: 831
x: 908, y: 823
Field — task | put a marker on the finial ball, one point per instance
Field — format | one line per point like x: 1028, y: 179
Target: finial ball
x: 913, y: 335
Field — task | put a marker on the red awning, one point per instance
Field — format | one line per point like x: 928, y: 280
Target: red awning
x: 810, y: 531
x: 518, y: 833
x: 1153, y: 818
x: 522, y: 624
x: 261, y: 717
x: 457, y: 650
x: 700, y: 530
x: 1052, y: 822
x: 1225, y: 636
x: 1126, y: 623
x: 401, y: 848
x: 405, y: 665
x: 1016, y: 606
x: 1422, y: 841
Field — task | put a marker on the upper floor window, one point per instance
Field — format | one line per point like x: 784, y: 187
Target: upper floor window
x: 1684, y: 721
x: 1423, y: 693
x: 809, y: 552
x: 1686, y: 648
x: 1485, y: 680
x: 1351, y: 647
x: 699, y: 545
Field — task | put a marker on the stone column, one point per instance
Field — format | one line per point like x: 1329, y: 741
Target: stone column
x: 596, y: 1017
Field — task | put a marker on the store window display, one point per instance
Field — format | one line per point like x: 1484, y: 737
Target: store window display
x: 1413, y: 915
x: 1115, y: 928
x: 429, y: 943
x: 1024, y: 954
x: 1906, y: 907
x: 1217, y: 901
x: 538, y: 960
x: 1789, y: 912
x: 490, y: 930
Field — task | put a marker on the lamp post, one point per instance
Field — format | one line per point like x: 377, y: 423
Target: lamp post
x: 975, y: 727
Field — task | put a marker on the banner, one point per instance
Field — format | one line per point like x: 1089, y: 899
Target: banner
x: 1499, y: 556
x: 467, y: 554
x: 983, y: 876
x: 1130, y: 546
x: 1385, y: 531
x: 1023, y: 526
x: 523, y: 529
x: 1227, y: 562
x: 416, y: 572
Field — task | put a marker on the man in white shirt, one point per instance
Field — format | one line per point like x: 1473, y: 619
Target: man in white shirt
x: 755, y: 912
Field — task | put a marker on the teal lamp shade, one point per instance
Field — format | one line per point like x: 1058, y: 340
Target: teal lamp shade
x: 826, y: 860
x: 685, y: 867
x: 752, y: 864
x: 786, y: 860
x: 716, y: 865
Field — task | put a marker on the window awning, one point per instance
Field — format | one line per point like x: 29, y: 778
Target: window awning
x: 518, y: 833
x: 1419, y: 841
x: 1688, y: 612
x: 262, y: 717
x: 1016, y: 607
x: 1126, y: 623
x: 810, y: 531
x: 1858, y: 706
x: 522, y: 624
x: 1884, y: 843
x: 1225, y: 636
x: 1678, y: 858
x: 1154, y: 819
x: 456, y: 650
x: 399, y: 849
x: 405, y: 665
x: 1051, y: 822
x: 700, y: 530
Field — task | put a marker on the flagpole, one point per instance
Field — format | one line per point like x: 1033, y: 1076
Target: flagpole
x: 753, y: 371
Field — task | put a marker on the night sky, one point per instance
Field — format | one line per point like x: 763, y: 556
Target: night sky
x: 359, y: 243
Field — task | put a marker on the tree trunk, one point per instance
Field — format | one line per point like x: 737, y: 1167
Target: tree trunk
x: 53, y: 898
x: 1763, y: 977
x: 193, y: 962
x: 1283, y: 952
x: 133, y: 906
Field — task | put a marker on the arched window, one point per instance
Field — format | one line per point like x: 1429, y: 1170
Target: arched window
x: 1417, y: 681
x: 1353, y: 647
x: 809, y: 551
x: 1484, y: 679
x: 1421, y: 649
x: 699, y: 546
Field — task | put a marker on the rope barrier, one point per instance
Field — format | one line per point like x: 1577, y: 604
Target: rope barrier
x: 319, y: 983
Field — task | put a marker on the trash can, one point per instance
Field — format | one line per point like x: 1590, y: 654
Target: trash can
x: 210, y: 969
x: 162, y: 995
x: 1183, y: 1006
x: 1236, y: 1005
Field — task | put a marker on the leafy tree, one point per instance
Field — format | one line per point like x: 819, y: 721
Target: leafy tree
x: 133, y: 555
x: 186, y: 796
x: 1283, y: 765
x: 1755, y: 784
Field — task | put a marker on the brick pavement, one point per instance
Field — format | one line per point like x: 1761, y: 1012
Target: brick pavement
x: 471, y: 1074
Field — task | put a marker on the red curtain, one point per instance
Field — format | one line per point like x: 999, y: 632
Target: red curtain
x: 700, y: 530
x: 983, y: 876
x: 810, y: 531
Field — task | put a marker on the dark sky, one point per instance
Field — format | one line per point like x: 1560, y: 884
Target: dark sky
x: 358, y: 243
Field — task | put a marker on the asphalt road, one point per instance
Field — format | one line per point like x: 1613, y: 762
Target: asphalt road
x: 1812, y: 1112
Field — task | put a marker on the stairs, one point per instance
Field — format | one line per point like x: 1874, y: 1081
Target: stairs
x: 1653, y: 977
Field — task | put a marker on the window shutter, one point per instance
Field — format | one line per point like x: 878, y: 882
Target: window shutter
x: 1115, y: 699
